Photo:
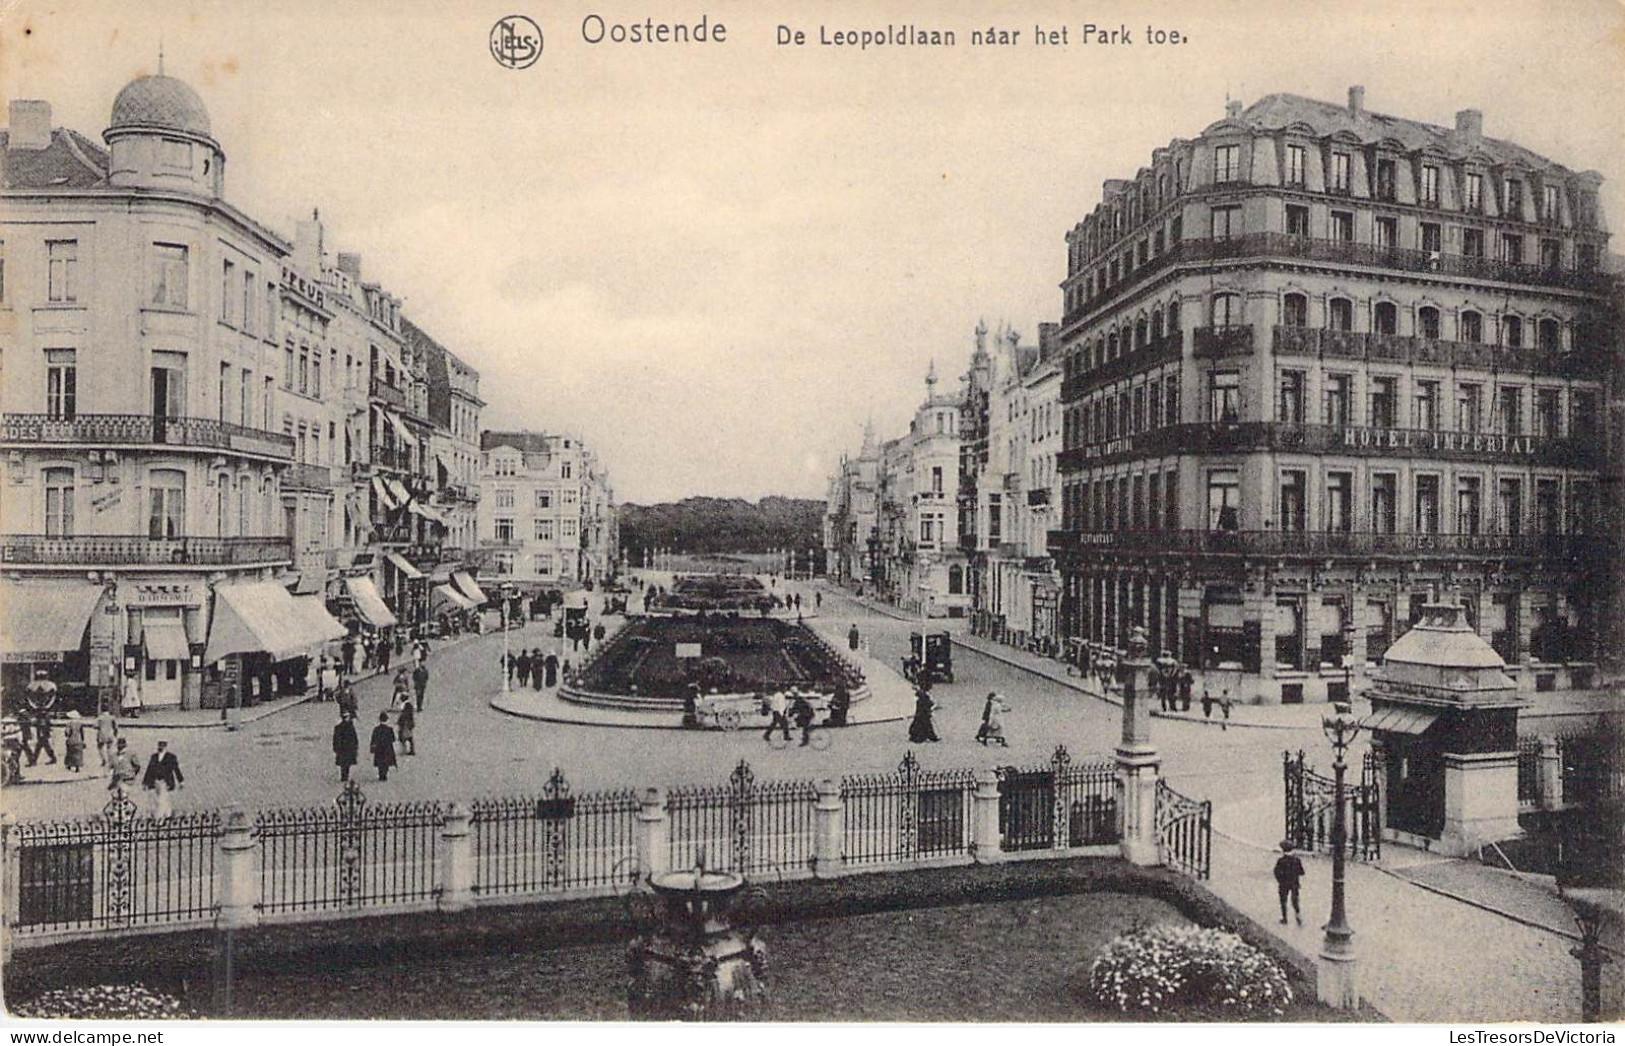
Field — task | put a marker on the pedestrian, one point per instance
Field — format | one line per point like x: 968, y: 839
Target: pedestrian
x: 73, y: 740
x: 537, y: 662
x: 992, y: 728
x: 106, y: 735
x: 382, y: 745
x: 1288, y: 876
x: 921, y: 729
x: 126, y: 768
x: 420, y: 682
x: 366, y: 653
x: 1207, y: 704
x: 551, y: 663
x: 25, y: 734
x: 840, y: 705
x: 162, y: 778
x: 384, y: 653
x: 818, y: 600
x: 42, y: 737
x: 1224, y: 706
x: 776, y: 706
x: 346, y: 746
x: 1187, y: 683
x: 525, y: 666
x: 406, y: 729
x: 801, y: 712
x: 598, y: 632
x: 347, y: 699
x: 347, y: 652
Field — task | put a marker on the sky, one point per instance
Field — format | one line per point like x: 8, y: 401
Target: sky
x: 715, y: 262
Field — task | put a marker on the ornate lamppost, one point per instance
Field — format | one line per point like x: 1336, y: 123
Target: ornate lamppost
x: 1336, y: 982
x: 1592, y: 955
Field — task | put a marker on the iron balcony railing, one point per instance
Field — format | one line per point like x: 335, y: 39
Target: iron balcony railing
x: 1332, y: 543
x: 118, y: 430
x: 1303, y: 341
x: 140, y: 550
x: 388, y: 394
x: 1165, y: 349
x: 1221, y: 341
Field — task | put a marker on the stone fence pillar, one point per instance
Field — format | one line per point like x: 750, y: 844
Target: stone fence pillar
x: 239, y: 857
x: 456, y: 835
x: 1551, y: 774
x: 653, y: 832
x: 10, y: 883
x: 1137, y: 760
x: 829, y: 830
x: 985, y: 834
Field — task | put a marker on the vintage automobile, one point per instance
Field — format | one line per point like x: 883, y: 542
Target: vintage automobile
x: 935, y: 664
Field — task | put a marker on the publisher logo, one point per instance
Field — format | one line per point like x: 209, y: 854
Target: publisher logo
x: 516, y: 42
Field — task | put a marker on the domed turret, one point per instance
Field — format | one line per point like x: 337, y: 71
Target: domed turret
x: 160, y: 103
x: 160, y: 138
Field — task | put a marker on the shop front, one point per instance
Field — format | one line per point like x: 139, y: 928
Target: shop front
x: 262, y: 641
x: 45, y: 637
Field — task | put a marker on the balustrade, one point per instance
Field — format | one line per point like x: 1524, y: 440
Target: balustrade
x: 140, y: 550
x: 143, y: 429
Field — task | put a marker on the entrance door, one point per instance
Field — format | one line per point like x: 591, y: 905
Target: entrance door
x: 161, y: 683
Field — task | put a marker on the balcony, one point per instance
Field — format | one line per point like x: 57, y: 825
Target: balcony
x: 1353, y: 345
x: 300, y: 476
x: 139, y: 430
x: 1223, y: 341
x: 1166, y: 349
x: 387, y: 394
x: 104, y: 550
x: 1038, y: 497
x: 1573, y: 548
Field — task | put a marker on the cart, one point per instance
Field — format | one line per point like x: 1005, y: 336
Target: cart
x: 730, y: 712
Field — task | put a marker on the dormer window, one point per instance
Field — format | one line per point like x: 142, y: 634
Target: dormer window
x: 1550, y: 209
x: 1473, y: 197
x: 1294, y: 164
x: 1340, y: 172
x: 1387, y: 179
x: 1430, y: 184
x: 1227, y: 163
x: 1514, y: 198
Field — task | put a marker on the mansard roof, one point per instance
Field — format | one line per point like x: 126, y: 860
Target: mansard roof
x: 70, y: 161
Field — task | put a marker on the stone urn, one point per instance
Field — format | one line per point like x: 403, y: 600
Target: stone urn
x: 693, y: 965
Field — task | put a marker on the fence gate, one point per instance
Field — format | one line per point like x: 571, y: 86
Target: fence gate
x: 1184, y: 832
x: 1311, y: 807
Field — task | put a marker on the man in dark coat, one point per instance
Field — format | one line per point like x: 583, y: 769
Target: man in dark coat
x: 1288, y: 875
x: 42, y: 737
x: 420, y: 682
x: 163, y: 776
x: 852, y: 638
x: 552, y: 666
x: 347, y: 652
x: 346, y: 746
x: 383, y: 746
x: 525, y: 665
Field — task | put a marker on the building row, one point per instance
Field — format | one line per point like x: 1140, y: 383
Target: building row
x: 1316, y: 368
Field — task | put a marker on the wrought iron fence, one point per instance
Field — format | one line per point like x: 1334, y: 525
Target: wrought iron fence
x: 554, y: 841
x: 1311, y: 807
x: 1058, y: 805
x: 121, y: 869
x: 1528, y: 769
x: 348, y: 855
x: 1184, y: 832
x: 907, y: 815
x: 747, y: 826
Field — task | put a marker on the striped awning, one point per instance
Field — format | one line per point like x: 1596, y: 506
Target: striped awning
x: 454, y: 597
x: 402, y: 564
x: 45, y: 618
x: 254, y: 617
x: 383, y: 493
x: 1401, y: 720
x: 466, y: 584
x: 402, y: 495
x: 372, y: 608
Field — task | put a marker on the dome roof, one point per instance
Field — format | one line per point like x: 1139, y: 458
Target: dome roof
x: 160, y: 101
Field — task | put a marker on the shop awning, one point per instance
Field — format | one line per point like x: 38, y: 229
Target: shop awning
x: 1401, y: 720
x: 45, y: 618
x: 165, y: 641
x: 401, y: 431
x: 368, y: 603
x: 383, y: 493
x: 454, y: 597
x: 427, y: 512
x: 319, y: 626
x: 309, y: 583
x: 254, y: 617
x: 402, y: 564
x: 467, y: 586
x: 402, y: 495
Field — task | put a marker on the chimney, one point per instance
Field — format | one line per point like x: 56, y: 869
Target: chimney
x: 30, y: 124
x: 1470, y: 124
x: 1232, y: 108
x: 350, y: 265
x: 307, y: 245
x: 1356, y: 100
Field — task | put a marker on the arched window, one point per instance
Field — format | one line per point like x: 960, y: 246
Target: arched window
x: 1385, y: 318
x: 1427, y: 322
x: 1551, y: 335
x: 1139, y: 335
x: 1111, y: 347
x: 166, y: 503
x: 1156, y: 325
x: 1512, y: 332
x: 1471, y: 327
x: 1295, y: 311
x: 1173, y: 317
x: 1340, y: 314
x: 956, y: 580
x: 1226, y: 309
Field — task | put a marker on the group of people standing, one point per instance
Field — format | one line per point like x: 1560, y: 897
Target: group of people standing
x: 533, y: 668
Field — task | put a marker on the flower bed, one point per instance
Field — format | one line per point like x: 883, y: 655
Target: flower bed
x: 1175, y: 967
x: 104, y: 1002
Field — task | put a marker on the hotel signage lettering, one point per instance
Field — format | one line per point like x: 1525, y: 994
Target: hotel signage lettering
x: 1423, y: 441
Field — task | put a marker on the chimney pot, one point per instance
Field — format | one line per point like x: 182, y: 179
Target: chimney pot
x: 1470, y: 122
x: 30, y: 126
x: 1356, y: 99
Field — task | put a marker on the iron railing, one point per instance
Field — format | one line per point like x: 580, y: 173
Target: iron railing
x: 911, y: 814
x: 1310, y: 807
x: 388, y: 394
x: 119, y: 430
x: 1528, y: 770
x: 1590, y: 362
x: 1058, y: 805
x: 1184, y: 832
x: 554, y: 841
x: 746, y: 826
x: 137, y: 549
x: 1570, y: 547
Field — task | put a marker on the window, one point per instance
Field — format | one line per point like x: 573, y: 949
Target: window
x: 1385, y: 318
x: 1224, y: 397
x: 1227, y: 163
x: 1137, y: 420
x: 1226, y: 222
x: 58, y: 503
x: 1294, y: 501
x: 1384, y: 402
x: 1170, y: 498
x: 1224, y: 499
x: 544, y: 530
x: 228, y: 289
x: 245, y: 396
x: 1586, y: 257
x: 62, y: 270
x: 1342, y: 227
x: 1509, y: 405
x: 304, y: 369
x: 1546, y: 413
x: 1511, y: 248
x: 1427, y: 322
x: 61, y: 384
x: 1294, y: 165
x: 1387, y: 230
x: 1340, y: 172
x: 1340, y: 502
x: 1339, y: 398
x: 287, y: 364
x: 936, y: 480
x: 1387, y: 178
x: 504, y: 530
x: 224, y: 390
x: 570, y: 497
x: 248, y: 302
x: 1427, y: 504
x: 564, y: 470
x: 1430, y: 184
x: 1290, y: 400
x: 166, y: 503
x: 1473, y: 194
x: 567, y: 529
x: 1431, y: 237
x: 222, y: 505
x: 1340, y: 314
x: 316, y: 374
x: 1583, y: 415
x: 504, y: 497
x: 1548, y: 507
x: 1469, y: 407
x: 1471, y: 327
x: 1509, y: 506
x: 1582, y: 506
x: 1295, y: 311
x: 168, y: 276
x: 1551, y: 255
x: 1384, y: 502
x: 1550, y: 197
x: 1297, y: 221
x: 1514, y: 198
x: 1472, y: 243
x: 1226, y: 310
x: 544, y: 499
x: 1469, y: 505
x: 1425, y: 403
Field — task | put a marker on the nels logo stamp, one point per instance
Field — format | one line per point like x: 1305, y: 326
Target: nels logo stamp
x: 516, y: 42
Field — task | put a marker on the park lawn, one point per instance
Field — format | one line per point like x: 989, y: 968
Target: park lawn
x: 1015, y: 960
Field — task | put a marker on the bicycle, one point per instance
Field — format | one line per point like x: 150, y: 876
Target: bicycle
x: 819, y: 739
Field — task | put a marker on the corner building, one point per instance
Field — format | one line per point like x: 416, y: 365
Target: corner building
x: 1323, y: 366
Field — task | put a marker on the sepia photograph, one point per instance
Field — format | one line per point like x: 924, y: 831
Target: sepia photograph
x: 811, y: 514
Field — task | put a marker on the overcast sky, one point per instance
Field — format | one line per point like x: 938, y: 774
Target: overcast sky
x: 714, y: 262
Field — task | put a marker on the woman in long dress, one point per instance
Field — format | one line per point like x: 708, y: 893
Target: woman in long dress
x: 920, y: 728
x: 992, y: 729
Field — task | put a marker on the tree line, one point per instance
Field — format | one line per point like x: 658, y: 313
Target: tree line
x: 713, y: 525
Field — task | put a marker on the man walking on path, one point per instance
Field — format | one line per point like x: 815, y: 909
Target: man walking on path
x: 852, y: 637
x: 777, y: 707
x: 347, y: 652
x: 106, y: 736
x: 1288, y: 875
x: 383, y: 746
x: 346, y: 746
x: 163, y: 776
x: 126, y: 768
x: 42, y: 738
x: 420, y: 682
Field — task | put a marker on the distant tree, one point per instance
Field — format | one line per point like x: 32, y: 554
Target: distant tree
x: 722, y: 525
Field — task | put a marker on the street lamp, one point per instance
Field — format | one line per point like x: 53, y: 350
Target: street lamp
x: 1592, y: 955
x: 507, y: 596
x: 1336, y: 982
